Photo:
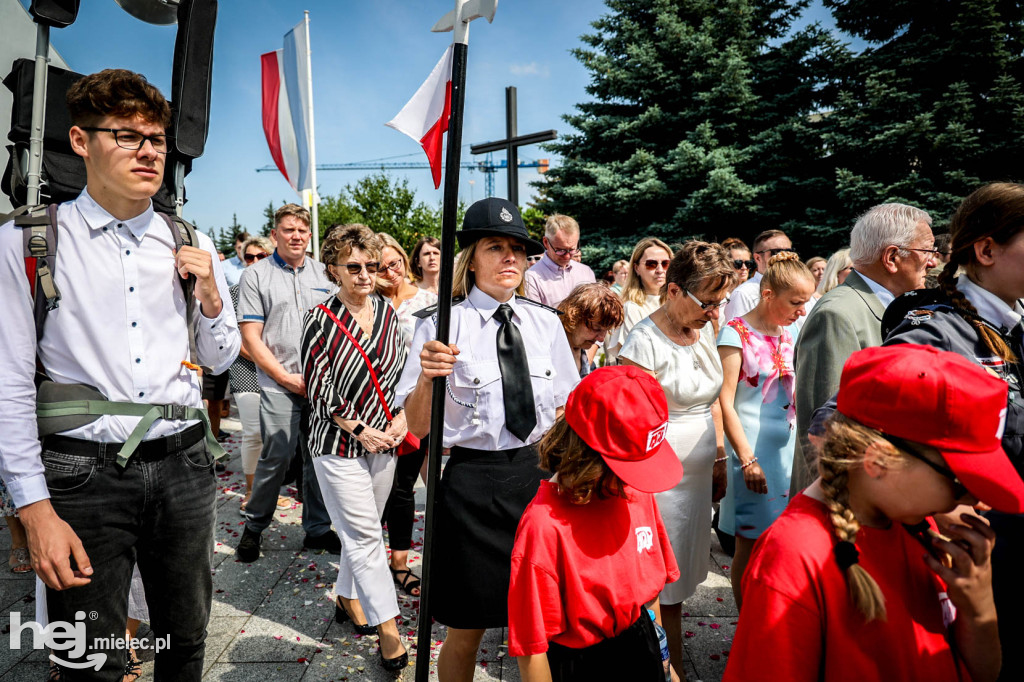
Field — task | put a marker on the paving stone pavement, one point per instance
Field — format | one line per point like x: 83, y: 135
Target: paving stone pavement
x: 273, y: 620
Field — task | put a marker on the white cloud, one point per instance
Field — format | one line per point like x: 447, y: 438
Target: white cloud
x: 531, y: 69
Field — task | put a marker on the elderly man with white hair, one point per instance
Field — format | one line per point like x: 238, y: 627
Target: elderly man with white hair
x: 892, y: 248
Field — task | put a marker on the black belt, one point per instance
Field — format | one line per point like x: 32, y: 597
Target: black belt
x: 157, y: 448
x: 470, y: 453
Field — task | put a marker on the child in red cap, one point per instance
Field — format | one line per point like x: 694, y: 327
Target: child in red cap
x: 839, y: 587
x: 591, y: 553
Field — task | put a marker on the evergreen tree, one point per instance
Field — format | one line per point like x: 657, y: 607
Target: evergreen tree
x: 268, y: 215
x: 700, y: 113
x: 932, y: 108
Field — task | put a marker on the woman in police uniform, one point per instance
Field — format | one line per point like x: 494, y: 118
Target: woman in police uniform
x: 508, y: 372
x: 978, y: 315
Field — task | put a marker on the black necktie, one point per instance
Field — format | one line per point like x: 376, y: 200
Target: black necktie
x: 516, y: 389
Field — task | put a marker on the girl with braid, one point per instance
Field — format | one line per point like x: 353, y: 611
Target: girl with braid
x: 978, y: 315
x: 852, y: 582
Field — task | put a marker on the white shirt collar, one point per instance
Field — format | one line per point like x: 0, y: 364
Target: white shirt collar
x: 755, y: 278
x: 988, y: 305
x: 884, y: 295
x: 97, y: 217
x: 487, y: 306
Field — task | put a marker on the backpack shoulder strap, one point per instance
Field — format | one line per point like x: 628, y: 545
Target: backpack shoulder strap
x: 184, y: 234
x: 39, y: 230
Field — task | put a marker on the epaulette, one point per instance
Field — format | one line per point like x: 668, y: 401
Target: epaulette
x: 424, y: 313
x: 523, y: 299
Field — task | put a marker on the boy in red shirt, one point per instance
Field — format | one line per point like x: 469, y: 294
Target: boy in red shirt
x: 591, y: 551
x: 839, y: 587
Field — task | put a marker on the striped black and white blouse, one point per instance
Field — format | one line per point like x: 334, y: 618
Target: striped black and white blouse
x: 337, y: 380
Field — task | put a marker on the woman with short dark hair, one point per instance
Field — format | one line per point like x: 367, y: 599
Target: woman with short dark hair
x: 352, y: 356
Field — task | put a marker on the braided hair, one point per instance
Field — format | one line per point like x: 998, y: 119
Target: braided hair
x: 995, y: 210
x: 844, y: 446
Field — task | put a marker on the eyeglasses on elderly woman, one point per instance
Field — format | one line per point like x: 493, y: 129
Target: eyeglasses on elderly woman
x: 707, y: 306
x: 355, y: 268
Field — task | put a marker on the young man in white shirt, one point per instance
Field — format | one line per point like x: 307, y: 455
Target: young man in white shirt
x: 121, y: 329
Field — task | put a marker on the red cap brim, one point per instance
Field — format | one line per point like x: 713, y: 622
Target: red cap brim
x: 990, y: 477
x: 658, y: 473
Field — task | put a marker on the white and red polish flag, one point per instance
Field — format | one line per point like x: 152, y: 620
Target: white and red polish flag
x: 425, y: 117
x: 287, y: 121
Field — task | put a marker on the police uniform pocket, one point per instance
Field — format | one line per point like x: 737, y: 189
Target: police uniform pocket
x: 542, y: 379
x: 67, y: 473
x: 476, y: 389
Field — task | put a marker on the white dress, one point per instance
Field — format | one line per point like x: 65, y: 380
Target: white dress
x: 631, y: 314
x: 691, y: 377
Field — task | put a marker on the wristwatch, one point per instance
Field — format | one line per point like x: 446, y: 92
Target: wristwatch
x: 359, y: 429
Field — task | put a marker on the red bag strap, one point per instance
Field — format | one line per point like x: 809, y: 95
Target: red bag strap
x: 369, y: 365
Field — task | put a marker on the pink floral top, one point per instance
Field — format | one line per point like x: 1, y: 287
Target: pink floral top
x: 770, y: 356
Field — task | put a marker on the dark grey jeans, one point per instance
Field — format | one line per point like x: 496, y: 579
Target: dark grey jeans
x: 159, y: 512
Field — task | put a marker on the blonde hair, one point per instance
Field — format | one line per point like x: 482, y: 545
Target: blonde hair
x: 259, y: 242
x: 811, y: 262
x: 291, y: 210
x: 558, y: 221
x: 844, y: 446
x: 633, y: 289
x: 463, y: 279
x: 582, y: 473
x: 837, y: 262
x: 784, y: 271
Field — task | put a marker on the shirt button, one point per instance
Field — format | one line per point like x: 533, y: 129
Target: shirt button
x: 547, y: 373
x: 104, y: 229
x: 220, y: 347
x: 142, y: 393
x: 127, y: 252
x: 135, y: 324
x: 131, y: 288
x: 138, y: 360
x: 120, y: 225
x: 476, y: 381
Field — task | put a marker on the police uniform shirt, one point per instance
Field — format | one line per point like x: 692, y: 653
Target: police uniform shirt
x: 474, y: 405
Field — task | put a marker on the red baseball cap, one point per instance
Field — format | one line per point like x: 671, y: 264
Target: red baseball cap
x: 937, y: 398
x: 622, y: 413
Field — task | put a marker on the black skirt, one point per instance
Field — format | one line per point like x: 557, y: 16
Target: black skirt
x: 634, y: 654
x: 481, y: 499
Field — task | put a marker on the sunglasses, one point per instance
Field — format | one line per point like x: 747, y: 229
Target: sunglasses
x: 773, y: 252
x: 959, y: 489
x: 356, y: 268
x: 652, y: 264
x: 253, y: 257
x: 707, y: 306
x: 739, y: 264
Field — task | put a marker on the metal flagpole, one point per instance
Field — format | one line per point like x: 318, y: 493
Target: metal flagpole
x: 314, y: 198
x: 458, y: 20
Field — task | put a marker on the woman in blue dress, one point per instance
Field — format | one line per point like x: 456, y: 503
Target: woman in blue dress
x: 757, y: 405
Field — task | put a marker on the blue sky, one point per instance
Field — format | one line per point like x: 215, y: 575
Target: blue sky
x: 368, y: 58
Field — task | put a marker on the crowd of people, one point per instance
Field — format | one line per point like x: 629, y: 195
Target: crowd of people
x: 854, y: 436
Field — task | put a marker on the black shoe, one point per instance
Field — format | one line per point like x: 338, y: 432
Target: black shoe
x: 220, y: 466
x: 341, y: 615
x: 393, y: 665
x: 328, y: 541
x: 248, y: 549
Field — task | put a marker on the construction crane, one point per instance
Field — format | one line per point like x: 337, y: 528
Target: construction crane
x: 488, y: 167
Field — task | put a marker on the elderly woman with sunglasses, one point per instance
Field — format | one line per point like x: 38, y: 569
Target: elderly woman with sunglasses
x: 400, y: 511
x: 641, y: 294
x: 352, y: 356
x: 676, y: 345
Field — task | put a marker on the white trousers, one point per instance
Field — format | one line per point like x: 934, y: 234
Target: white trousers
x: 355, y: 491
x: 252, y: 441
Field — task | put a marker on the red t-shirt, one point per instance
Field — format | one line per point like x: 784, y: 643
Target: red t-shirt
x: 582, y: 573
x: 799, y: 623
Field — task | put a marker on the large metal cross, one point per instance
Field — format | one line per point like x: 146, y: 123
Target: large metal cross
x: 512, y: 142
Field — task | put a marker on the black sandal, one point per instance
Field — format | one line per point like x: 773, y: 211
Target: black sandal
x: 408, y: 583
x: 133, y: 668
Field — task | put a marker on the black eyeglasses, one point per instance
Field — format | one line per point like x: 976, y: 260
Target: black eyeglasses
x: 959, y: 489
x: 133, y: 140
x: 773, y: 252
x: 707, y: 306
x: 253, y: 257
x: 397, y: 265
x: 355, y: 268
x: 739, y: 264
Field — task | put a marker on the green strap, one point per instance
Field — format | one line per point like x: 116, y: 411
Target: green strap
x: 149, y: 414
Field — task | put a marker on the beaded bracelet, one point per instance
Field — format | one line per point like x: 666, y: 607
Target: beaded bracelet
x: 721, y: 459
x: 744, y: 466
